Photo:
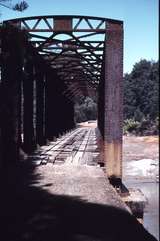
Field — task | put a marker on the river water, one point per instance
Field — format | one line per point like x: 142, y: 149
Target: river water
x: 143, y: 174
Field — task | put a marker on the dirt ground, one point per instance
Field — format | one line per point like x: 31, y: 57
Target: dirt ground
x: 135, y: 147
x: 140, y: 147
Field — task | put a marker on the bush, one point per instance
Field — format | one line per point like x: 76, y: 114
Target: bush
x: 130, y: 126
x: 85, y: 110
x: 142, y: 128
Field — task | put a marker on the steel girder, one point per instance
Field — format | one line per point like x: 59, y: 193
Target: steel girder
x: 73, y: 45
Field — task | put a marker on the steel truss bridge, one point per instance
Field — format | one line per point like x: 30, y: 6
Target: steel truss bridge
x: 47, y: 62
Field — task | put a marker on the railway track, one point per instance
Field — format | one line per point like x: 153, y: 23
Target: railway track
x: 78, y: 146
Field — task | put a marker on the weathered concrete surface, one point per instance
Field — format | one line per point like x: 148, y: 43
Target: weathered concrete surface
x: 76, y: 182
x: 66, y: 201
x: 86, y: 182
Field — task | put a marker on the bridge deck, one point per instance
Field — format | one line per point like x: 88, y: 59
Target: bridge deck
x: 70, y: 200
x: 69, y: 166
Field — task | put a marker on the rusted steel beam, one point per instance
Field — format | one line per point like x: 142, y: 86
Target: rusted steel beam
x: 113, y: 100
x: 83, y: 58
x: 101, y: 110
x: 28, y: 92
x: 71, y: 47
x: 68, y: 17
x: 12, y: 42
x: 85, y: 46
x: 49, y: 100
x: 66, y: 41
x: 89, y: 66
x: 63, y: 23
x: 46, y: 41
x: 80, y: 57
x: 90, y: 57
x: 39, y: 76
x: 87, y: 35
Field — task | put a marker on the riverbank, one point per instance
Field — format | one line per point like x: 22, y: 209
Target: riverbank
x: 141, y: 171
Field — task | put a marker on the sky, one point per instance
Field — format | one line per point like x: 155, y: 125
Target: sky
x: 140, y: 21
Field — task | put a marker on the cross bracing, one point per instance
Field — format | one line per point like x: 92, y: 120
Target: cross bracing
x: 47, y: 63
x: 72, y: 45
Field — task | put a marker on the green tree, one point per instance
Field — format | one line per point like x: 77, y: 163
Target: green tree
x: 85, y: 109
x: 21, y: 6
x: 141, y: 91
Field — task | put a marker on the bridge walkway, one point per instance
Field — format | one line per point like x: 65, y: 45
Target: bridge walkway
x: 70, y: 166
x: 65, y: 196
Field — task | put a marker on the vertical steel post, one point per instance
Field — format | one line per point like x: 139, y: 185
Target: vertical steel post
x: 40, y: 135
x: 100, y: 121
x: 113, y: 100
x: 11, y: 73
x: 101, y: 101
x: 48, y: 106
x: 72, y: 121
x: 29, y: 137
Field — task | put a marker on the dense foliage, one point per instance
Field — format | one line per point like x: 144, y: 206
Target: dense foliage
x: 141, y: 88
x: 141, y: 98
x: 85, y: 109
